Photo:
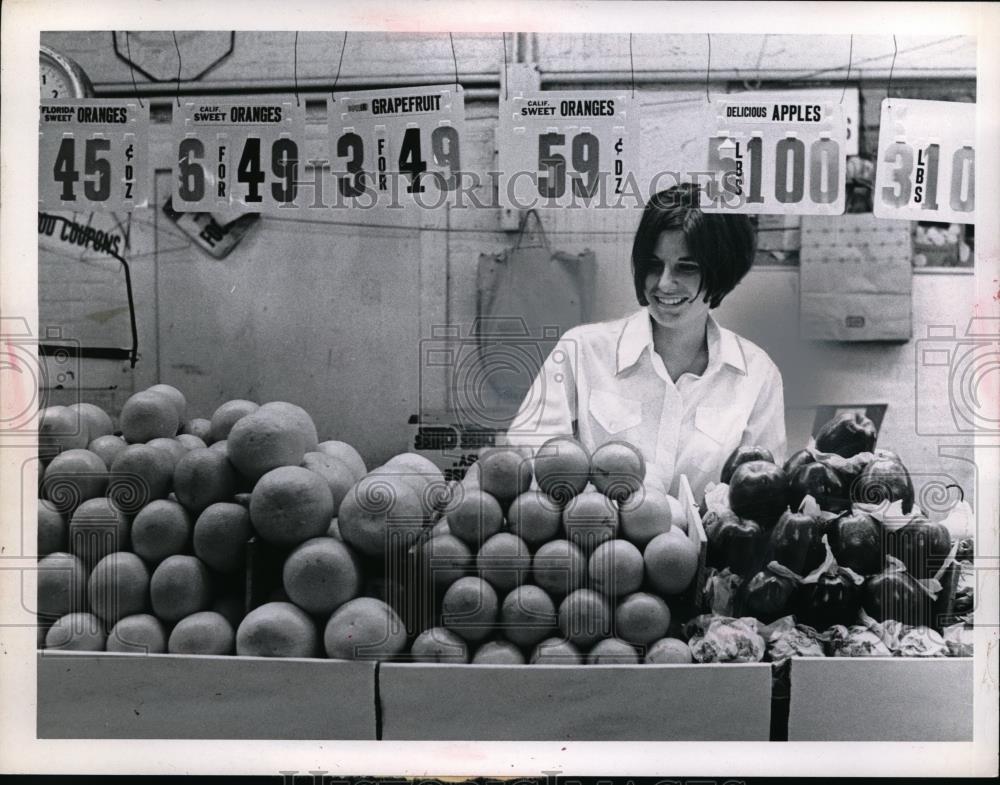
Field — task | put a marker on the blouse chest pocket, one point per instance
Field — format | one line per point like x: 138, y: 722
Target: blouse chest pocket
x: 613, y: 412
x: 717, y: 432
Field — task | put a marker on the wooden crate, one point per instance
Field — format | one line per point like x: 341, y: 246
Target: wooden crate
x: 83, y: 695
x: 881, y: 699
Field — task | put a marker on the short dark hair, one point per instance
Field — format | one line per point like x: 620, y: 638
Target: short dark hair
x: 723, y: 244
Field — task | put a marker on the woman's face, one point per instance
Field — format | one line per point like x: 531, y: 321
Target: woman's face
x: 673, y: 295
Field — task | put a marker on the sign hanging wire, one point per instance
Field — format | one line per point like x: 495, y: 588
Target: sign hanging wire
x: 454, y: 59
x: 295, y: 68
x: 892, y: 66
x: 343, y: 47
x: 178, y: 48
x: 506, y: 74
x: 850, y: 60
x: 708, y: 67
x: 131, y: 70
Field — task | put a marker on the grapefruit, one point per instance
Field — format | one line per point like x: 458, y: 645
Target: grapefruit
x: 364, y: 629
x: 76, y: 632
x: 148, y: 415
x: 469, y: 608
x: 276, y: 629
x: 179, y: 587
x: 227, y: 415
x: 175, y: 396
x: 590, y: 519
x: 668, y: 650
x: 96, y: 529
x: 297, y: 418
x: 643, y: 515
x: 504, y: 473
x: 617, y: 469
x: 198, y: 426
x: 498, y: 653
x: 439, y: 645
x: 161, y: 529
x: 320, y: 575
x: 584, y: 618
x: 446, y: 559
x: 142, y: 633
x: 221, y: 447
x: 190, y: 442
x: 562, y: 468
x: 139, y: 475
x: 342, y: 451
x: 96, y: 421
x: 441, y: 527
x: 559, y: 567
x: 671, y: 562
x: 555, y: 651
x: 118, y: 586
x: 534, y: 517
x: 263, y: 441
x: 505, y: 561
x: 172, y: 446
x: 380, y: 515
x: 334, y: 530
x: 615, y: 568
x: 107, y: 448
x: 205, y: 632
x: 338, y: 475
x: 59, y: 429
x: 474, y: 516
x: 52, y: 528
x: 73, y: 477
x: 424, y: 477
x: 62, y: 585
x: 290, y: 505
x: 527, y: 616
x: 220, y: 536
x: 203, y: 477
x: 612, y: 651
x: 641, y: 618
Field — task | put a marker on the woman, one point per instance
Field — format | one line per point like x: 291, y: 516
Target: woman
x: 667, y: 379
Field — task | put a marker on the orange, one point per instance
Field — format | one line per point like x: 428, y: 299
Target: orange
x: 72, y: 477
x: 222, y: 447
x: 98, y: 422
x: 107, y: 448
x: 175, y: 396
x: 338, y: 475
x: 439, y: 645
x: 220, y: 536
x: 227, y: 415
x: 534, y: 517
x: 344, y: 452
x: 76, y: 632
x: 471, y: 477
x: 179, y: 587
x: 190, y: 441
x: 677, y: 516
x: 612, y: 651
x: 505, y: 561
x: 140, y: 633
x: 617, y: 469
x: 334, y: 530
x: 562, y: 468
x: 641, y: 618
x: 668, y: 650
x: 172, y: 446
x: 590, y: 519
x: 364, y: 629
x: 380, y: 515
x: 148, y: 415
x: 139, y: 475
x: 615, y: 568
x: 469, y: 608
x: 298, y: 418
x: 555, y: 651
x: 504, y: 474
x: 161, y: 529
x: 498, y: 653
x: 205, y: 632
x: 441, y: 527
x: 446, y: 559
x: 96, y: 529
x: 263, y: 441
x: 62, y: 585
x: 276, y: 629
x: 424, y: 477
x: 320, y: 575
x: 527, y: 616
x: 559, y: 567
x: 584, y: 618
x: 52, y: 528
x: 198, y: 426
x: 59, y: 429
x: 474, y: 516
x: 118, y: 586
x: 203, y: 477
x: 671, y: 562
x: 289, y: 505
x: 643, y: 515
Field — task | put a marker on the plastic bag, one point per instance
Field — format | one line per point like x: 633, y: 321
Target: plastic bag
x: 959, y: 640
x: 903, y: 640
x: 720, y: 591
x: 724, y: 639
x: 855, y: 641
x: 717, y: 496
x: 786, y: 639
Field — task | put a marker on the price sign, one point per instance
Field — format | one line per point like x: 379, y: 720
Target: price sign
x: 769, y: 155
x: 926, y: 168
x: 93, y: 154
x: 397, y: 147
x: 237, y: 154
x: 567, y: 148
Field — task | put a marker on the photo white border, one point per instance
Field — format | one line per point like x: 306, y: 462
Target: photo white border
x: 21, y: 752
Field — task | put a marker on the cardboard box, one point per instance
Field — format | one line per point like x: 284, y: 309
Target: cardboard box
x: 84, y: 695
x: 881, y: 699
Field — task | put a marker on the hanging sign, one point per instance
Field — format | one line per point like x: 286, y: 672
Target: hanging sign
x: 93, y: 154
x: 926, y: 167
x: 397, y: 147
x: 237, y: 154
x: 568, y: 148
x: 779, y: 155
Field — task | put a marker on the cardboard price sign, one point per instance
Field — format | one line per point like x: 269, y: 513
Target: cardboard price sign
x: 93, y: 154
x: 237, y: 154
x: 397, y: 146
x: 567, y: 148
x: 779, y: 155
x: 926, y: 161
